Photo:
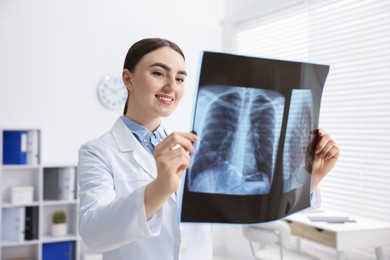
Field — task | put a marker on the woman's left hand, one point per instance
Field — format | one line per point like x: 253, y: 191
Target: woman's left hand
x: 326, y: 154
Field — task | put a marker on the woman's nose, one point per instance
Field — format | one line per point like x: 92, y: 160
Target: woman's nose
x: 170, y: 83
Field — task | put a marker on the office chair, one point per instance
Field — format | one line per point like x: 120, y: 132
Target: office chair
x: 273, y: 242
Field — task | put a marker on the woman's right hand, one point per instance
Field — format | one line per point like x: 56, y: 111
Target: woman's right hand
x: 172, y: 158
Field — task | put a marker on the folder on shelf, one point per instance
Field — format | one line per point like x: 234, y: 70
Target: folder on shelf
x: 31, y: 223
x: 67, y: 183
x: 59, y: 183
x: 14, y: 147
x: 13, y: 224
x: 33, y: 147
x: 58, y: 251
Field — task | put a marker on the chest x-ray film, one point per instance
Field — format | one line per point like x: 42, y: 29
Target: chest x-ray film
x: 257, y: 120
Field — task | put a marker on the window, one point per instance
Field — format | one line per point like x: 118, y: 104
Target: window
x: 353, y: 37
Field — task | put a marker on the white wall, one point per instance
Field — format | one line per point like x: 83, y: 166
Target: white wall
x: 242, y: 10
x: 53, y: 54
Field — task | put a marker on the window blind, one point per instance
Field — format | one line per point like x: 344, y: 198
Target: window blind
x: 353, y: 37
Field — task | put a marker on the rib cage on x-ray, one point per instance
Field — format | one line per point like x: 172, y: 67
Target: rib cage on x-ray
x: 239, y: 129
x: 300, y: 123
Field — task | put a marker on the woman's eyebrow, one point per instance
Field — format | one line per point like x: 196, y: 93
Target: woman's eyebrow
x: 167, y: 68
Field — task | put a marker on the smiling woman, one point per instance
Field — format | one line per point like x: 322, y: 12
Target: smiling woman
x: 139, y: 49
x: 155, y: 86
x: 129, y: 177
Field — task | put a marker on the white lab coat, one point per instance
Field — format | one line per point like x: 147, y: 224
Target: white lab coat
x: 113, y: 171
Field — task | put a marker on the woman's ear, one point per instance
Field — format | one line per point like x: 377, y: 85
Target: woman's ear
x: 127, y: 77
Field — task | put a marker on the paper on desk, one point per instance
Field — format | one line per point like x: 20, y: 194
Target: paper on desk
x: 255, y: 118
x: 331, y: 219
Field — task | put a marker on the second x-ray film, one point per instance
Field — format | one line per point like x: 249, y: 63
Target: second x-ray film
x: 257, y: 120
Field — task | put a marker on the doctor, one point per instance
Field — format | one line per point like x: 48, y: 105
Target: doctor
x: 129, y: 176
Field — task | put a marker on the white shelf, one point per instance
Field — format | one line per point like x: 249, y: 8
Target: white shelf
x: 51, y: 239
x: 10, y: 205
x: 20, y: 167
x: 59, y: 202
x: 23, y: 243
x: 42, y: 178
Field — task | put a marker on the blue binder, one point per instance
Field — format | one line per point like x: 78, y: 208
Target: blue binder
x: 57, y: 251
x: 15, y: 147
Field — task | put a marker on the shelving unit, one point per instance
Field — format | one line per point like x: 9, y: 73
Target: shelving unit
x: 47, y: 182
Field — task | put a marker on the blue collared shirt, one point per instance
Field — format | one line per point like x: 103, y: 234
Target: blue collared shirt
x: 147, y: 138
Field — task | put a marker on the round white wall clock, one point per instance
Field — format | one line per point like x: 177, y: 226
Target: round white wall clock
x: 112, y: 92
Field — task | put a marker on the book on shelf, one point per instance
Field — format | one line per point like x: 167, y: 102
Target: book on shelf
x: 13, y: 224
x: 21, y: 147
x: 33, y: 147
x: 67, y: 183
x: 14, y: 147
x: 60, y: 183
x: 31, y: 223
x: 57, y: 250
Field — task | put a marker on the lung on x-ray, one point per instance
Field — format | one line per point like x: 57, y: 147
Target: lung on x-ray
x: 257, y: 120
x: 300, y: 123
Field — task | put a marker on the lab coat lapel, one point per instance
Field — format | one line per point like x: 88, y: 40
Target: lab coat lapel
x: 127, y: 142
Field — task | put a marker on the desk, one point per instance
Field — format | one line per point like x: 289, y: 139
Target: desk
x: 341, y: 236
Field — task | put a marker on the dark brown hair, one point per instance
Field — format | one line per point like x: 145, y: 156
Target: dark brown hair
x: 143, y: 47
